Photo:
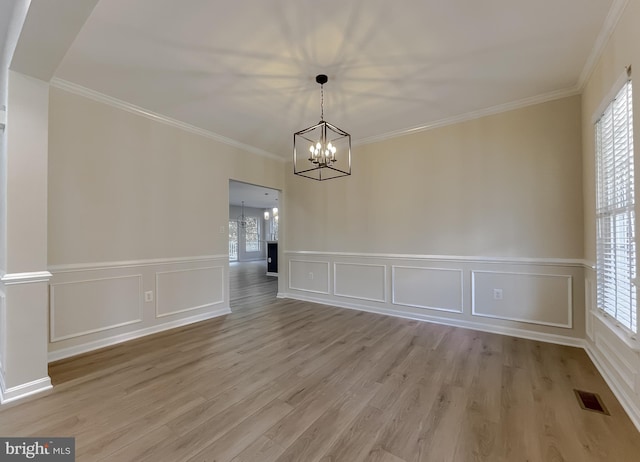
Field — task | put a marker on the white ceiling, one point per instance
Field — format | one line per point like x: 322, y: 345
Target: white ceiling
x: 252, y: 195
x: 245, y: 70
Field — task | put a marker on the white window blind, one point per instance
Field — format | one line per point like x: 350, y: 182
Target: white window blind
x: 615, y: 211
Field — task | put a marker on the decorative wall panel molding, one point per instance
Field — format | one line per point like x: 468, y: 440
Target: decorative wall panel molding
x: 540, y: 295
x: 309, y: 276
x: 362, y: 281
x: 183, y: 290
x: 83, y: 307
x: 625, y: 369
x: 544, y: 299
x: 589, y: 305
x: 93, y: 305
x: 428, y: 288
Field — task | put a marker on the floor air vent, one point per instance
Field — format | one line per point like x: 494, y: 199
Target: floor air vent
x: 591, y: 402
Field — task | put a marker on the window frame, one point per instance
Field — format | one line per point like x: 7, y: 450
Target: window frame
x: 615, y: 202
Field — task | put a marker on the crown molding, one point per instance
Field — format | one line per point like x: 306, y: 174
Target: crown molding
x: 531, y: 101
x: 132, y: 108
x: 609, y: 26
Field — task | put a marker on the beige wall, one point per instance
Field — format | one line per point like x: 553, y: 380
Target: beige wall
x: 507, y: 185
x: 138, y: 223
x: 623, y: 49
x: 124, y: 187
x: 503, y: 191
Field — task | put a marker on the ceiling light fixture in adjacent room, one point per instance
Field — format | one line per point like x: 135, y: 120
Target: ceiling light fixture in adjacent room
x: 323, y: 151
x: 242, y: 220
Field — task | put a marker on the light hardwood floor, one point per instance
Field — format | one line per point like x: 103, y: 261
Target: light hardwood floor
x: 283, y: 380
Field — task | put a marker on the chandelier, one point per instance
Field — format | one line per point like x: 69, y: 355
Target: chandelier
x: 242, y: 220
x: 323, y: 151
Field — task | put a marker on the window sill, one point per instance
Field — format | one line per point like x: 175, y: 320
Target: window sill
x: 629, y: 339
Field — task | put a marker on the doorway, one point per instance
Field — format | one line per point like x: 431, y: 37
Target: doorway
x: 254, y: 221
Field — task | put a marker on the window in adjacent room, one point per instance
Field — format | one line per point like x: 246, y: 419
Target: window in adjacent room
x: 233, y: 240
x: 615, y: 211
x: 252, y: 235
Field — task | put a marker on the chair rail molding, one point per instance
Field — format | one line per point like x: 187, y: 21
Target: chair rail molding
x: 25, y: 278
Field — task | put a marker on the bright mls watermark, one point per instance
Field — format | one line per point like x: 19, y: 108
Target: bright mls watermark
x: 37, y: 449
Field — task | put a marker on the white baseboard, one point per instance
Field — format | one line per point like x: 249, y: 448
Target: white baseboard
x: 511, y: 331
x: 22, y: 391
x: 102, y: 343
x: 628, y: 403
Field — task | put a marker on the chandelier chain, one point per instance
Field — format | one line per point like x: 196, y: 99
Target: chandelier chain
x: 321, y: 102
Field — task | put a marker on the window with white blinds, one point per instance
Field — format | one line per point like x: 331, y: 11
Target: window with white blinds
x: 615, y: 211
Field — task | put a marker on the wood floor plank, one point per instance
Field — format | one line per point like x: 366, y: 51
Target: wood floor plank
x: 263, y: 449
x: 519, y: 438
x: 286, y: 380
x: 355, y: 443
x: 311, y: 445
x: 99, y: 442
x: 242, y: 435
x: 377, y: 454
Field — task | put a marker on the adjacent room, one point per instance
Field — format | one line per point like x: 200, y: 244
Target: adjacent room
x: 254, y: 221
x: 279, y: 230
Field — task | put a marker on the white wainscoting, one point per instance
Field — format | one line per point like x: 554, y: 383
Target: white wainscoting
x: 615, y: 353
x: 188, y: 289
x: 589, y: 305
x: 83, y: 307
x: 430, y: 288
x: 361, y: 281
x: 99, y: 304
x: 623, y: 360
x: 309, y: 276
x: 544, y: 299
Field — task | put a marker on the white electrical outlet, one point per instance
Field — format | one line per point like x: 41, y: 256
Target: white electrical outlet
x: 148, y: 296
x: 223, y: 229
x: 497, y: 294
x: 310, y: 275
